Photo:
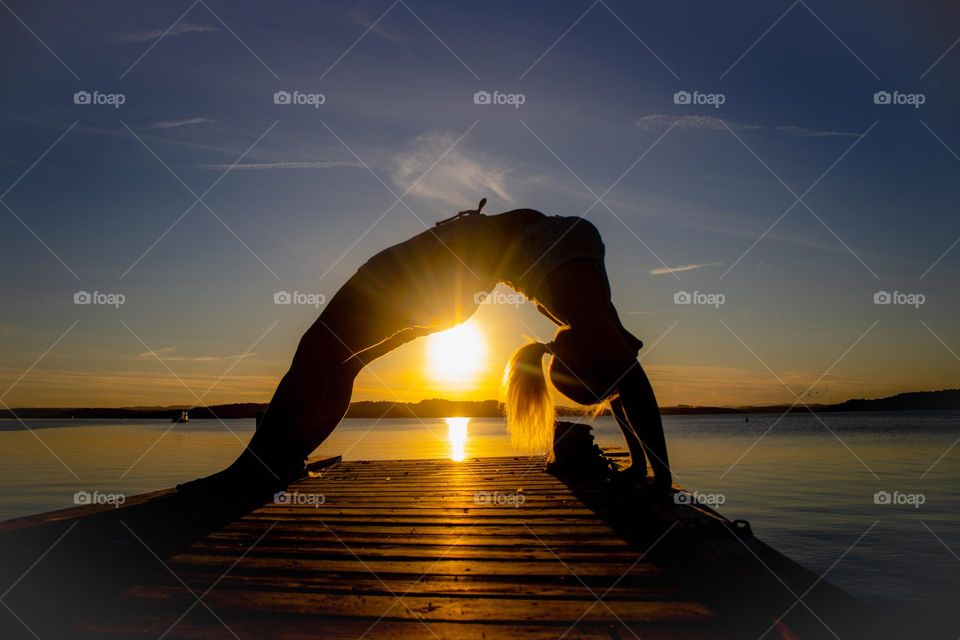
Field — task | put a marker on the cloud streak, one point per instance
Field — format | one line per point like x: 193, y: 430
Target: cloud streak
x: 683, y: 267
x: 457, y: 178
x: 176, y: 124
x: 713, y: 123
x: 162, y: 354
x: 183, y: 28
x: 281, y: 166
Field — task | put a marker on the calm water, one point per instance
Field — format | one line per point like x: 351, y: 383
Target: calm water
x: 806, y: 491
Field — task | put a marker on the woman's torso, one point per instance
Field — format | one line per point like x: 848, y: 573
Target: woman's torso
x: 439, y: 277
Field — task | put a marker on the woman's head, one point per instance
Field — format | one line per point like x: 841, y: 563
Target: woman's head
x: 578, y: 368
x: 581, y: 368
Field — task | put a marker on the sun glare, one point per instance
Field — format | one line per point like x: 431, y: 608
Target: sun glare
x: 457, y: 435
x: 457, y: 355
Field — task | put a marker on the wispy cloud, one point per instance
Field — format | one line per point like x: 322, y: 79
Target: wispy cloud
x: 175, y: 124
x: 713, y: 123
x: 156, y: 352
x: 703, y: 123
x: 814, y: 133
x: 683, y: 267
x: 279, y: 166
x: 165, y: 354
x: 183, y: 28
x: 457, y: 178
x: 368, y: 23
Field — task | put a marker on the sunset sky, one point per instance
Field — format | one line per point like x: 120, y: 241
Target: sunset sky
x: 198, y: 198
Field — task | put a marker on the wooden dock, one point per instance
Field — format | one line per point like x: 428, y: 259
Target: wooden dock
x: 486, y: 548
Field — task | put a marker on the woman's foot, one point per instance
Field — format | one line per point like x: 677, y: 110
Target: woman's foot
x: 247, y: 480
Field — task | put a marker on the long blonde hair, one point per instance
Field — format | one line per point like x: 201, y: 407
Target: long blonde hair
x: 529, y: 407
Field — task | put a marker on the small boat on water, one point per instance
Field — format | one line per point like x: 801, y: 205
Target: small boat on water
x: 183, y: 417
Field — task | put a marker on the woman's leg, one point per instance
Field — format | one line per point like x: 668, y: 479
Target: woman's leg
x: 294, y: 425
x: 298, y: 419
x: 314, y: 395
x: 309, y: 402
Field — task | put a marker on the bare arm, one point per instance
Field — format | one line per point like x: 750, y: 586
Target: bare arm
x: 638, y: 460
x: 640, y: 406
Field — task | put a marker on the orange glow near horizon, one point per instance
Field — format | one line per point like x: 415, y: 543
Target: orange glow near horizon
x: 463, y: 363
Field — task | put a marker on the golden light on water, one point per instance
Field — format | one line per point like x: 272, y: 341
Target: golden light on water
x: 457, y: 435
x: 456, y: 356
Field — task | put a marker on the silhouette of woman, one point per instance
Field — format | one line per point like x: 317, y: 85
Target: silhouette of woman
x: 429, y: 283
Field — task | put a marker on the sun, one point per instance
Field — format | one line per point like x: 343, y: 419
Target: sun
x: 457, y: 355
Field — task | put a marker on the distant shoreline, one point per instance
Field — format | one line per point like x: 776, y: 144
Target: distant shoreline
x: 944, y: 400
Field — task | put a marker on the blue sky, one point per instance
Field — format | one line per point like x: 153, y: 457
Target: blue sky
x: 695, y: 191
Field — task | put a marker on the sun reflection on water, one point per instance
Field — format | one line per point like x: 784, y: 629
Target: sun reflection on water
x: 457, y: 434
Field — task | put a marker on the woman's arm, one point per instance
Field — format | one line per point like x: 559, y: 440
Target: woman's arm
x: 638, y: 460
x: 641, y: 409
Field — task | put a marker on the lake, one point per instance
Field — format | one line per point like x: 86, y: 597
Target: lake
x: 809, y: 489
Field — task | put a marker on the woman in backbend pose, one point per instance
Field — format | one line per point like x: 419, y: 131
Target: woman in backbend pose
x: 429, y: 283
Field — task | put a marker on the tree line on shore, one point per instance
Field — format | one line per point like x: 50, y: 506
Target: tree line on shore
x: 944, y: 400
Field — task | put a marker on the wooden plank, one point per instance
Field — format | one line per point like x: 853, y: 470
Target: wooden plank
x: 388, y: 549
x: 435, y: 585
x: 479, y: 539
x: 460, y: 609
x: 444, y: 565
x: 200, y: 625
